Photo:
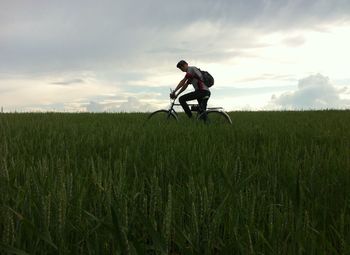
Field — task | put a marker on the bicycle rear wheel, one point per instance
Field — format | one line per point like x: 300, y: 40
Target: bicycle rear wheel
x: 216, y: 117
x: 162, y: 116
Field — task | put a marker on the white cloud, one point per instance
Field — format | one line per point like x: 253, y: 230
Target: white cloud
x: 313, y: 92
x: 132, y: 104
x: 95, y: 107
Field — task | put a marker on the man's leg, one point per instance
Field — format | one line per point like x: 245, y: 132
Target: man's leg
x: 183, y: 101
x: 202, y: 101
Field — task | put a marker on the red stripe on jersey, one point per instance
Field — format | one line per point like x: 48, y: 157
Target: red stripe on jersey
x: 189, y: 76
x: 200, y: 84
x: 195, y: 76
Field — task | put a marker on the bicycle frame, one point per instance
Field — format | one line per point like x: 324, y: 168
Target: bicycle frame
x: 210, y: 110
x: 172, y: 104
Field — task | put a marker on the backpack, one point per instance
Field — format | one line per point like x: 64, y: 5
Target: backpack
x: 207, y: 78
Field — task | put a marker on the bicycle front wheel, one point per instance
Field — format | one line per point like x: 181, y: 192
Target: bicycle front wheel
x: 162, y: 116
x: 216, y: 117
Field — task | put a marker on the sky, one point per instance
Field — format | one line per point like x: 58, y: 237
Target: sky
x: 121, y: 55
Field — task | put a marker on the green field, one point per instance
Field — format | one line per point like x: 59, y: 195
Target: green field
x: 272, y: 183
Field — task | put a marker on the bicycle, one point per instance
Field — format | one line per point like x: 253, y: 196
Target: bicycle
x: 215, y: 115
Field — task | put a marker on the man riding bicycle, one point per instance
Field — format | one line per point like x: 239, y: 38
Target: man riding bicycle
x: 193, y: 76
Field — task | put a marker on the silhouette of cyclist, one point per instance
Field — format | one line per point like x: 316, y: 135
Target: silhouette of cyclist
x: 202, y: 93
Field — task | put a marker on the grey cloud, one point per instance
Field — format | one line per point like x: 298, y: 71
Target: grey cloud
x: 68, y: 82
x: 267, y: 76
x: 313, y: 92
x: 294, y: 41
x: 54, y: 36
x: 132, y: 104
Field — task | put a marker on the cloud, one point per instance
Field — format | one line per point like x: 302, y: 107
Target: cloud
x: 68, y: 82
x: 95, y: 107
x: 268, y: 76
x: 313, y: 92
x: 46, y: 36
x: 294, y: 41
x: 135, y: 105
x: 126, y: 102
x: 132, y: 104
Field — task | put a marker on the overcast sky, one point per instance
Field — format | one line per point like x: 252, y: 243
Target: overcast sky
x: 121, y: 55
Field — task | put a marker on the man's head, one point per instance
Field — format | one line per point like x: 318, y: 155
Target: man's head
x: 182, y: 65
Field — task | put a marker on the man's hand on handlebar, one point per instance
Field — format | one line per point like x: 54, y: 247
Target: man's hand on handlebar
x: 172, y: 95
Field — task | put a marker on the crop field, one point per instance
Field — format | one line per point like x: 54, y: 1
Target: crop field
x: 109, y: 183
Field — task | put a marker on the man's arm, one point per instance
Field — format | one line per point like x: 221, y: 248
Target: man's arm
x: 181, y: 84
x: 182, y: 89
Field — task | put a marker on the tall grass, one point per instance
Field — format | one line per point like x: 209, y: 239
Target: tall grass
x: 272, y: 183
